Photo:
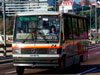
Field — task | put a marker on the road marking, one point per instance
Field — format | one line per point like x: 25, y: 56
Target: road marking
x: 93, y: 48
x: 95, y: 53
x: 88, y: 71
x: 98, y: 53
x: 96, y: 71
x: 11, y: 72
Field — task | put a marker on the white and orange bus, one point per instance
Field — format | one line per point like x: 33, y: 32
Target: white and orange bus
x: 35, y: 45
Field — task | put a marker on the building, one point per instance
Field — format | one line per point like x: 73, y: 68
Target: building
x: 87, y: 2
x: 66, y: 6
x: 84, y: 2
x: 14, y: 6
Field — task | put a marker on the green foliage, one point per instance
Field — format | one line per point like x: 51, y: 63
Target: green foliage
x: 51, y: 9
x: 86, y: 12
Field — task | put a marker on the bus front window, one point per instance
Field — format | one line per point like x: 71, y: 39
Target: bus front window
x: 43, y: 28
x: 48, y: 28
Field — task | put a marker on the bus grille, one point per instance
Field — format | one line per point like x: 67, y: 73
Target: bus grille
x: 35, y: 51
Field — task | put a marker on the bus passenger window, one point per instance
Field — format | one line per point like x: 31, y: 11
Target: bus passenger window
x: 67, y: 27
x: 70, y: 28
x: 85, y: 30
x: 75, y: 28
x: 81, y: 28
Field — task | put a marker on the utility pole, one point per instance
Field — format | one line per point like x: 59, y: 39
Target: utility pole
x: 96, y: 19
x: 90, y: 19
x: 82, y: 9
x: 55, y: 5
x: 4, y: 26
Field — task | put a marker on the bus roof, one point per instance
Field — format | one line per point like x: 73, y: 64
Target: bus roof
x: 74, y: 15
x: 38, y: 13
x: 29, y: 13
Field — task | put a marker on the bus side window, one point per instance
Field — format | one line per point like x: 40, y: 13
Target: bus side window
x: 65, y: 28
x: 85, y: 30
x: 68, y: 27
x: 81, y: 29
x: 75, y: 28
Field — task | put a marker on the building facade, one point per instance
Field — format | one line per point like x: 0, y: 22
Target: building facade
x: 14, y: 6
x: 66, y: 6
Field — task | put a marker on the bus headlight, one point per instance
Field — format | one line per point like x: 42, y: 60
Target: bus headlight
x: 17, y: 51
x: 53, y: 51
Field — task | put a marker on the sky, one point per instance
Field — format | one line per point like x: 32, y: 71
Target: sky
x: 80, y: 0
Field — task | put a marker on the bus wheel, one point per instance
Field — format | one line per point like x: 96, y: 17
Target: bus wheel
x: 19, y: 70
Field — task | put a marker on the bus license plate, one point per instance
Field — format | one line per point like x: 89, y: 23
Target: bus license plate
x: 34, y: 55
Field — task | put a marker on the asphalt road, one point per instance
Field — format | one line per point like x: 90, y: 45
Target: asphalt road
x: 89, y: 67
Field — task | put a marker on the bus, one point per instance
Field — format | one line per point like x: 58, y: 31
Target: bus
x: 36, y: 45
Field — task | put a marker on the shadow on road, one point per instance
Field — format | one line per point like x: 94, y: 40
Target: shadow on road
x: 83, y: 69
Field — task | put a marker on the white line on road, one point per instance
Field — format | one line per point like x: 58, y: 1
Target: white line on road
x: 93, y: 48
x: 98, y: 53
x: 11, y: 72
x: 87, y: 71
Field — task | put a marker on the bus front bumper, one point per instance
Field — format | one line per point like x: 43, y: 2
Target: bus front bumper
x: 36, y: 60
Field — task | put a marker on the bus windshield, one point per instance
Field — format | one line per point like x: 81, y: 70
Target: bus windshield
x: 38, y: 28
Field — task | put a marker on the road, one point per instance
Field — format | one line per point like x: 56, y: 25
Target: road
x: 89, y: 67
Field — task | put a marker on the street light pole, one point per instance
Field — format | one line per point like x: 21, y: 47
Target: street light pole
x: 4, y: 26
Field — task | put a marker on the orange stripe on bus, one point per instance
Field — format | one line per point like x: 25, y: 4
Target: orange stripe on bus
x: 36, y: 47
x: 71, y: 42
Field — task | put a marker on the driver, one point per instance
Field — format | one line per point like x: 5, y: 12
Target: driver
x: 45, y: 29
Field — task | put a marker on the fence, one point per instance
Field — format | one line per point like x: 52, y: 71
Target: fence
x: 8, y: 45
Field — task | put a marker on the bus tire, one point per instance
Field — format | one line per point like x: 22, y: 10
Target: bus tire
x: 19, y: 70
